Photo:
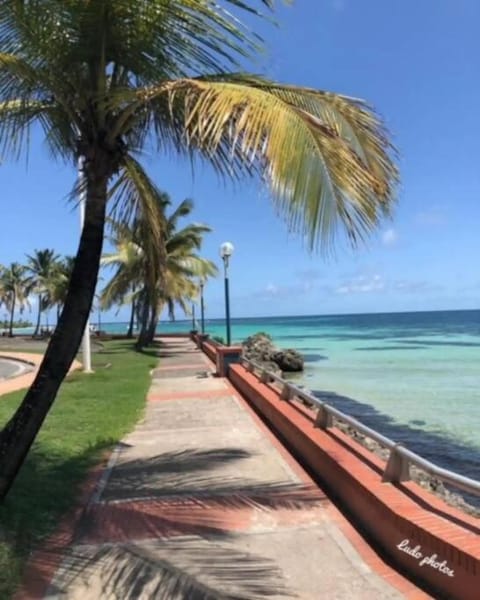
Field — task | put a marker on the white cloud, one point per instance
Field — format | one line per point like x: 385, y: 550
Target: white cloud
x: 271, y: 289
x: 389, y: 237
x: 362, y: 284
x: 293, y: 290
x: 415, y: 287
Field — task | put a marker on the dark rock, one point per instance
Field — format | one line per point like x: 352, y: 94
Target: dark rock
x: 260, y: 349
x: 288, y: 360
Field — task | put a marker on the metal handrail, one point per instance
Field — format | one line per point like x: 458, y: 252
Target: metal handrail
x: 398, y: 466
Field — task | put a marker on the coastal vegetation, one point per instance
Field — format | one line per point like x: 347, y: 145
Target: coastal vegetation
x: 46, y: 275
x: 106, y: 80
x: 96, y: 411
x: 18, y: 323
x: 14, y: 290
x: 42, y: 266
x: 156, y: 271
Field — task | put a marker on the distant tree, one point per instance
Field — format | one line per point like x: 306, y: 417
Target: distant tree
x: 42, y: 266
x: 15, y: 286
x: 154, y: 270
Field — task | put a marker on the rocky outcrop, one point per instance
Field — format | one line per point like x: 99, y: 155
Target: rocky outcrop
x: 260, y: 348
x: 288, y: 361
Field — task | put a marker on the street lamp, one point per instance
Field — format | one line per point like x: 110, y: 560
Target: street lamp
x: 194, y: 328
x: 226, y: 251
x: 201, y: 284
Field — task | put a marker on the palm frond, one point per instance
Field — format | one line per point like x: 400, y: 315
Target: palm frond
x: 191, y: 236
x: 117, y: 290
x: 183, y: 210
x: 325, y: 157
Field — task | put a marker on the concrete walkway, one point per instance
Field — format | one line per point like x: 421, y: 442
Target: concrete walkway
x: 200, y: 501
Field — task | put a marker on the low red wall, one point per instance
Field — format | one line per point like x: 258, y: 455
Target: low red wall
x: 426, y: 539
x: 210, y: 350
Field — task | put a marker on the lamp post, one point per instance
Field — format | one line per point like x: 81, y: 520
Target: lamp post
x: 193, y: 317
x: 201, y: 284
x: 226, y: 251
x: 86, y: 349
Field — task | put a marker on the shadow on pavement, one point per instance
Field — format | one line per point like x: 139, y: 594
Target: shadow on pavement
x: 173, y: 570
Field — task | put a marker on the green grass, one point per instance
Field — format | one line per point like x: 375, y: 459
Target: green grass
x: 91, y: 413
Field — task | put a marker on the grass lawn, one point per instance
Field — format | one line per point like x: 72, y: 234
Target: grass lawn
x: 91, y: 413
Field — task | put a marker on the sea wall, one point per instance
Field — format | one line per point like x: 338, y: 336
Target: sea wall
x: 429, y: 541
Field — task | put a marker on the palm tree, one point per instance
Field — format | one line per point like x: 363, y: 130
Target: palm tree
x: 127, y: 260
x: 182, y: 267
x: 42, y: 266
x: 105, y: 79
x: 154, y: 272
x: 58, y: 287
x: 15, y: 286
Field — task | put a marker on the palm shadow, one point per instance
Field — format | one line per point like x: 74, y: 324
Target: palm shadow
x: 182, y: 509
x: 205, y: 474
x: 172, y: 570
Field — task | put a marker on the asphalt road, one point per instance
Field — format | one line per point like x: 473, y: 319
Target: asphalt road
x: 8, y: 368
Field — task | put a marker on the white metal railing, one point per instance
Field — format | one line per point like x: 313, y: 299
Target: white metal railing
x: 398, y: 465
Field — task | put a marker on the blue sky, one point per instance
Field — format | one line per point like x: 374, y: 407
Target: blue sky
x: 418, y: 64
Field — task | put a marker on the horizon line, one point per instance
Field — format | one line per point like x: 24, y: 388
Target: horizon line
x: 399, y: 312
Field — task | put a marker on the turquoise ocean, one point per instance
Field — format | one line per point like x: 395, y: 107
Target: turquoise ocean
x: 412, y: 376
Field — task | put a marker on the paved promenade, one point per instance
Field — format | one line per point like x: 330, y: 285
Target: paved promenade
x: 200, y: 501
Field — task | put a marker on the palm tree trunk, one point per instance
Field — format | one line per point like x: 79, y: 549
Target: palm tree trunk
x: 12, y: 312
x: 37, y: 328
x: 142, y: 336
x: 152, y: 325
x: 22, y: 429
x: 132, y: 320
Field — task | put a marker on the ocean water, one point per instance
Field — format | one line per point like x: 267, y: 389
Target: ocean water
x: 412, y: 376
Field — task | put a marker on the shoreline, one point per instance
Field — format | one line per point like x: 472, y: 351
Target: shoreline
x: 260, y: 348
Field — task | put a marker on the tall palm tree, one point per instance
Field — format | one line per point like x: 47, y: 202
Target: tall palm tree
x: 127, y: 259
x: 43, y: 267
x: 177, y: 282
x: 16, y: 286
x: 154, y: 272
x: 106, y: 78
